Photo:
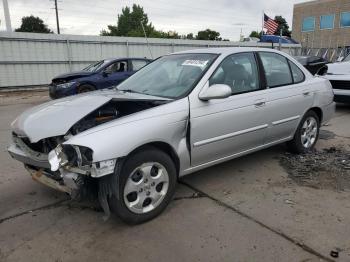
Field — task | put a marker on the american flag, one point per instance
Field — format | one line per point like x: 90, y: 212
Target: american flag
x: 270, y: 24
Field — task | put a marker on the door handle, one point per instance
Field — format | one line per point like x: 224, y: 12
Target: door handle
x: 259, y: 104
x: 306, y: 93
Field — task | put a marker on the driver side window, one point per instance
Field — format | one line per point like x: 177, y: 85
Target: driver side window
x: 117, y: 67
x: 238, y: 71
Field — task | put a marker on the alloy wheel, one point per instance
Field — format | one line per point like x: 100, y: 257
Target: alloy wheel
x: 146, y: 187
x: 309, y: 132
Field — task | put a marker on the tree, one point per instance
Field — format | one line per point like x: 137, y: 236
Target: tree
x: 255, y: 34
x: 208, y: 35
x: 129, y: 24
x: 282, y: 24
x: 33, y: 25
x: 189, y: 36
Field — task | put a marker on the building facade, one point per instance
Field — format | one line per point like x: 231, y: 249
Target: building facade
x: 322, y: 24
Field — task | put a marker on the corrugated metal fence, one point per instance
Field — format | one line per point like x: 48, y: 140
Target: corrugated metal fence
x: 28, y: 59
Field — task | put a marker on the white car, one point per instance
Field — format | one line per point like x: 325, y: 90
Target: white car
x: 339, y: 76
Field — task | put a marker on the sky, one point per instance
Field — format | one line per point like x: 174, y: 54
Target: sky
x: 88, y: 17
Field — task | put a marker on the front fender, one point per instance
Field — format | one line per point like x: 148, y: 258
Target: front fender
x: 166, y: 123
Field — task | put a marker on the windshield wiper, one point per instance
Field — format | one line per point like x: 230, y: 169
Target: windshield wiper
x: 129, y: 91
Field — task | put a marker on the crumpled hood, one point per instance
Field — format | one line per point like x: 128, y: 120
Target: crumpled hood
x: 56, y: 117
x: 73, y: 75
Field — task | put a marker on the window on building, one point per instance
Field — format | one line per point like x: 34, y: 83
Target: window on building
x: 345, y: 19
x: 308, y: 24
x: 327, y: 22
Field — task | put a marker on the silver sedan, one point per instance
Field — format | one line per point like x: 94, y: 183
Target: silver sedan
x: 183, y: 112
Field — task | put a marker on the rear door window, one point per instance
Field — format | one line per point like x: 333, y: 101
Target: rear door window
x: 138, y: 64
x: 277, y: 71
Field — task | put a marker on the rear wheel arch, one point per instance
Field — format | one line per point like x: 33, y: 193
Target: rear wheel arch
x: 318, y: 112
x: 296, y: 145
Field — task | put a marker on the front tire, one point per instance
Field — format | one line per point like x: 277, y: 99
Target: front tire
x: 306, y: 135
x: 146, y: 186
x: 84, y: 88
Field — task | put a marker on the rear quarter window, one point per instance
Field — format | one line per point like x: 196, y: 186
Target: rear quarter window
x: 298, y: 75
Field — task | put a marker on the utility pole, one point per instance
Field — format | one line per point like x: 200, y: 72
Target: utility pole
x: 7, y: 16
x: 57, y: 21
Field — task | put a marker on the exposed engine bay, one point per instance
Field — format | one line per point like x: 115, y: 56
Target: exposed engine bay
x: 110, y: 111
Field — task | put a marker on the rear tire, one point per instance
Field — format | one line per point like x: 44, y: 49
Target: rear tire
x: 306, y: 135
x: 85, y: 88
x: 146, y: 186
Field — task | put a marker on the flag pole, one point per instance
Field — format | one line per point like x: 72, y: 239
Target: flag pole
x: 262, y: 23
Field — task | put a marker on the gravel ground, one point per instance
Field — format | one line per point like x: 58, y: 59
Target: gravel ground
x: 328, y: 168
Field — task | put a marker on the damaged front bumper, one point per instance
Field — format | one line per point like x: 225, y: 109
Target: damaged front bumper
x: 38, y: 166
x: 77, y: 178
x: 54, y: 169
x: 43, y: 177
x: 24, y: 154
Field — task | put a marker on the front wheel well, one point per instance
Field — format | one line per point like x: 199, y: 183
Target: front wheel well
x: 318, y: 111
x: 164, y: 147
x: 85, y: 84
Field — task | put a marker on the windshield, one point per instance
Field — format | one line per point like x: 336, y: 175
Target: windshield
x: 170, y: 76
x: 96, y: 66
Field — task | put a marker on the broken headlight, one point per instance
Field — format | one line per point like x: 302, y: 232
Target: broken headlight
x: 72, y: 155
x: 66, y: 85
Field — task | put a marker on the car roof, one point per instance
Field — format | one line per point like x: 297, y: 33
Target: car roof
x: 227, y: 50
x: 125, y: 58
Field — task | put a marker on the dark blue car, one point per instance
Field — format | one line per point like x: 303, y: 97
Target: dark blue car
x: 102, y: 74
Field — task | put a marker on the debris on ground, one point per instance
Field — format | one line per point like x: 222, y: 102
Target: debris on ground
x: 289, y: 202
x: 325, y: 169
x: 334, y: 254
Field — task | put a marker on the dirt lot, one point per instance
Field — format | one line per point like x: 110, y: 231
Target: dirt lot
x: 268, y: 206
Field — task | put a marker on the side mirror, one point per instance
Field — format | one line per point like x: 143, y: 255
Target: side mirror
x: 217, y: 91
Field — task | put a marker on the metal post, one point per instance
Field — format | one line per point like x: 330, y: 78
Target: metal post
x: 57, y: 21
x: 69, y: 56
x: 127, y: 48
x: 7, y: 16
x: 280, y: 41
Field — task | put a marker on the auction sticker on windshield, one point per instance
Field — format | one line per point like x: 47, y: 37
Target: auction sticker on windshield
x: 200, y: 63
